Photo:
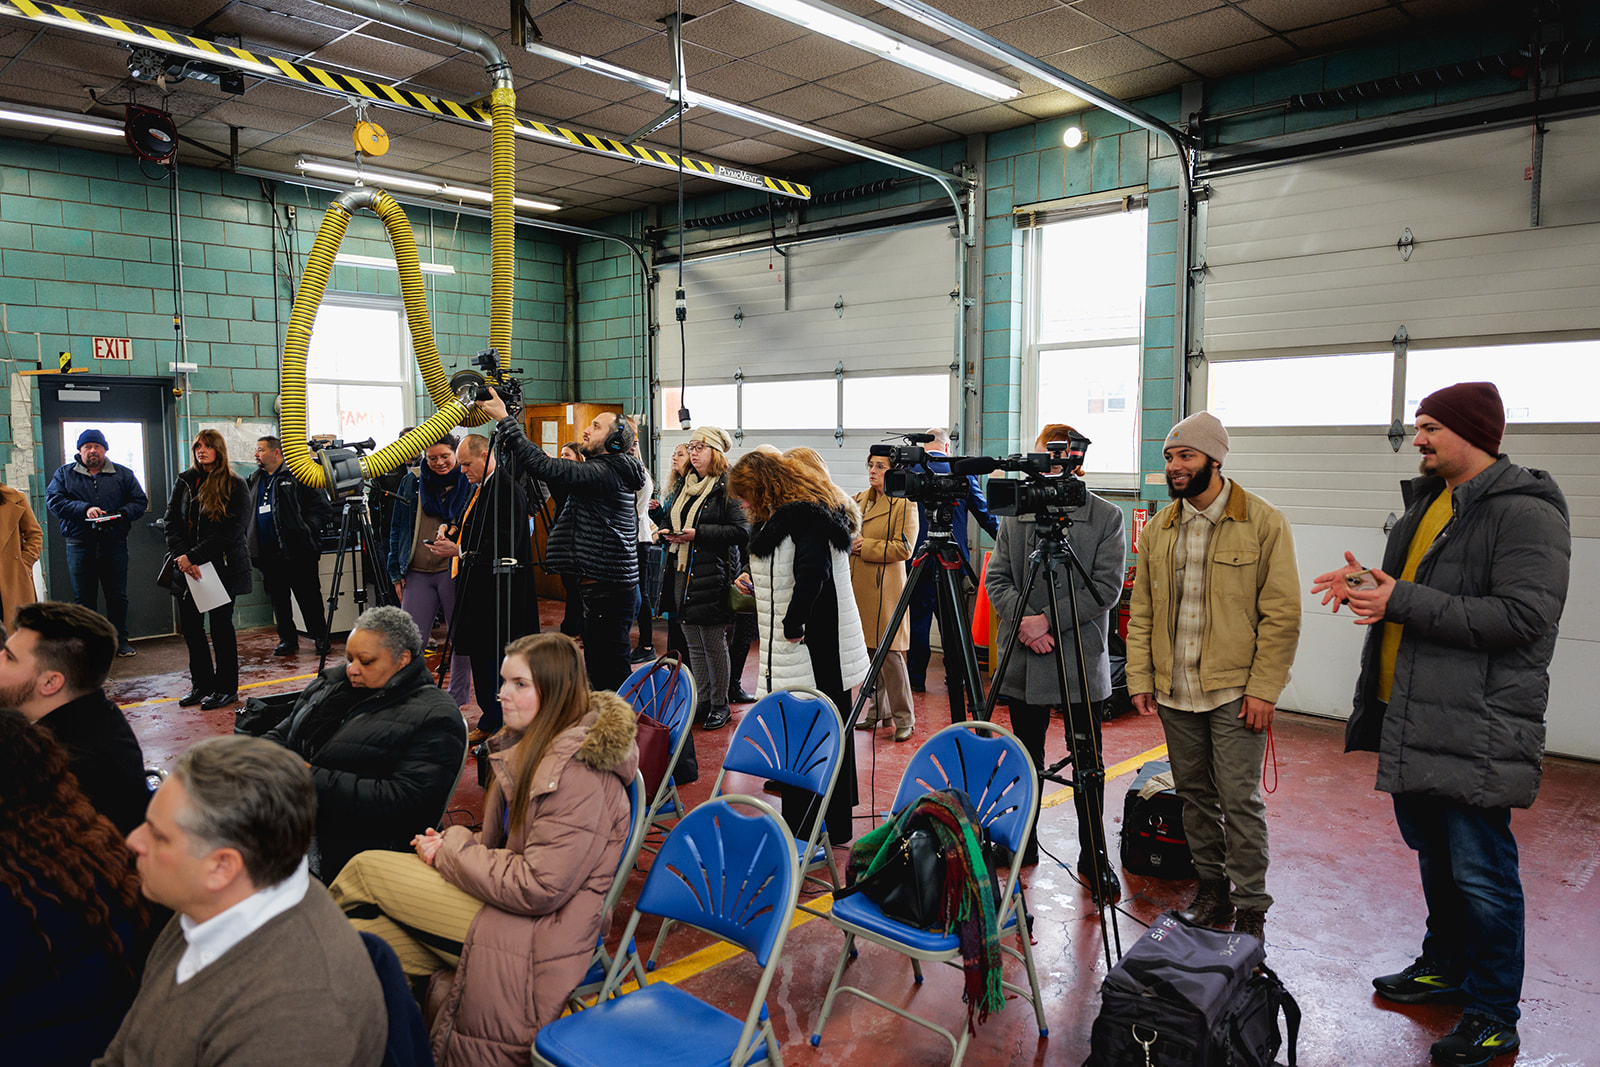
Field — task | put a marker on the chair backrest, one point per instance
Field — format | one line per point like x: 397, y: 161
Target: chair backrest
x: 407, y: 1041
x: 729, y: 872
x: 637, y: 802
x: 989, y: 764
x: 792, y: 736
x: 466, y: 750
x: 647, y: 688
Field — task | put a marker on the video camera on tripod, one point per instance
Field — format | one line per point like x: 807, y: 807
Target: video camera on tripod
x: 1041, y: 493
x: 910, y: 477
x: 473, y: 385
x: 341, y: 462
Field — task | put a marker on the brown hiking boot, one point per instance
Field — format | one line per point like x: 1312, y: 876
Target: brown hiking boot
x: 1211, y: 906
x: 1252, y: 922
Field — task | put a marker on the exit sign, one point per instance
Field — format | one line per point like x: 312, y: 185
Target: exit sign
x: 113, y: 348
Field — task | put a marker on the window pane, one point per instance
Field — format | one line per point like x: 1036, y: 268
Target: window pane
x: 124, y: 441
x: 709, y: 405
x: 794, y: 405
x: 1303, y: 391
x: 897, y: 402
x: 355, y: 412
x: 355, y: 342
x: 1091, y: 281
x: 1096, y: 392
x: 1538, y: 383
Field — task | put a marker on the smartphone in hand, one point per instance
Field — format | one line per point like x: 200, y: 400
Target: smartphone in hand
x: 1360, y: 581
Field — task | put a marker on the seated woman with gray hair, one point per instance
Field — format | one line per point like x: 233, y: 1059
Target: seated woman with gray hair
x: 384, y: 743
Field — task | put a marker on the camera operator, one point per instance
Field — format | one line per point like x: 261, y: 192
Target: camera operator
x: 1032, y: 684
x: 926, y: 598
x: 597, y: 535
x: 493, y: 527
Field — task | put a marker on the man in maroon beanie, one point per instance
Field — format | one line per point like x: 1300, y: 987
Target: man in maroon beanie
x: 1452, y: 692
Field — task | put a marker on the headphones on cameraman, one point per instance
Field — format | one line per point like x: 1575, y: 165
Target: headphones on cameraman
x: 621, y: 437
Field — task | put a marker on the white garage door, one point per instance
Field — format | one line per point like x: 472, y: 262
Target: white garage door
x: 833, y: 346
x: 1303, y: 262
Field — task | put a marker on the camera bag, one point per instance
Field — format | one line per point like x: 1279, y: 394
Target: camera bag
x: 257, y: 715
x: 1189, y: 996
x: 1152, y: 839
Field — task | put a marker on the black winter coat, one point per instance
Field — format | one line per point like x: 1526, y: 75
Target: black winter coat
x: 482, y: 597
x: 597, y: 535
x: 104, y: 755
x: 224, y: 542
x: 715, y: 556
x: 389, y: 767
x: 298, y: 515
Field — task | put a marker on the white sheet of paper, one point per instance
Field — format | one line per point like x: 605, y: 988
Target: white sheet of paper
x: 207, y: 590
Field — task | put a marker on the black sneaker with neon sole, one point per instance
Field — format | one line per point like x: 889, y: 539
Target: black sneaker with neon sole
x: 1424, y: 982
x: 1475, y: 1041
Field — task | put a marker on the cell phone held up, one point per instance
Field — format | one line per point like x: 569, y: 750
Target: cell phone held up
x: 1360, y: 581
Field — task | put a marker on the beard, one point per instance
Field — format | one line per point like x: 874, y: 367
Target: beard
x: 1198, y: 484
x: 15, y: 696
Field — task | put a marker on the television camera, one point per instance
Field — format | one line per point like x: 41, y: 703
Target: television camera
x: 909, y: 475
x: 1041, y: 493
x: 472, y: 385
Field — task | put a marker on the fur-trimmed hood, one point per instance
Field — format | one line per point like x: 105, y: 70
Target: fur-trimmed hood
x: 610, y: 739
x: 831, y: 523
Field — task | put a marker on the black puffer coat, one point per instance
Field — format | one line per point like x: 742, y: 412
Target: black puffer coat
x: 597, y: 535
x: 1465, y: 718
x: 715, y: 556
x: 386, y: 770
x: 222, y: 541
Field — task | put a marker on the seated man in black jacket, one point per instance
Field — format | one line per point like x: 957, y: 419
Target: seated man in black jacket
x: 52, y: 669
x: 385, y: 744
x: 597, y: 535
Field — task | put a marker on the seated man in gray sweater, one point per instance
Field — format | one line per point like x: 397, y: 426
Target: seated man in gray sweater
x: 259, y: 966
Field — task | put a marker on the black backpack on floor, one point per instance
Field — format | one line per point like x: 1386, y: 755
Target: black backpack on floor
x: 1152, y: 836
x: 1188, y: 996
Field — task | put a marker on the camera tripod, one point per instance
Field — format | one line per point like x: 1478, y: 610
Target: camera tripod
x: 1089, y: 776
x: 358, y: 540
x: 941, y: 563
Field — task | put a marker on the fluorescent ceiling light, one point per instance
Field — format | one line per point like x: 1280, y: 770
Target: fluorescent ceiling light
x: 218, y: 54
x: 330, y: 168
x: 350, y: 259
x: 35, y: 116
x: 897, y: 48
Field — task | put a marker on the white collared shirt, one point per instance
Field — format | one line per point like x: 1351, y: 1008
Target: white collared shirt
x: 210, y: 941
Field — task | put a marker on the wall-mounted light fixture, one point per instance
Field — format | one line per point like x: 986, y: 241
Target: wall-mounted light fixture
x: 1072, y: 136
x: 868, y: 36
x: 412, y: 183
x: 64, y: 122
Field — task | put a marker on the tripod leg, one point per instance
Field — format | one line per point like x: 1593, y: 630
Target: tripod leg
x: 345, y: 530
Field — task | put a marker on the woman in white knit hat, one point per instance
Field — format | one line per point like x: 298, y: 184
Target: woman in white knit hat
x: 704, y: 529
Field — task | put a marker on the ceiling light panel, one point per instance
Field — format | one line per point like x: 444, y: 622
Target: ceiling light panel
x: 59, y: 121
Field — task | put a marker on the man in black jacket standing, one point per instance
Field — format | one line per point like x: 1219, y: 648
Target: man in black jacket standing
x: 52, y: 669
x: 285, y: 541
x: 1452, y: 693
x: 597, y: 535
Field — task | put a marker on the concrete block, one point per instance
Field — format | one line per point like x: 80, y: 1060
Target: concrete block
x: 30, y: 209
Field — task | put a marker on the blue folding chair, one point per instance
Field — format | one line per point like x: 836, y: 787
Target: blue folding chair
x: 990, y: 765
x: 731, y: 873
x: 792, y: 736
x: 653, y: 691
x: 595, y: 977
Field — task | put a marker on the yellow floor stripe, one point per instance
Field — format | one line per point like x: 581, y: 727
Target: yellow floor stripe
x: 1061, y: 796
x: 242, y: 688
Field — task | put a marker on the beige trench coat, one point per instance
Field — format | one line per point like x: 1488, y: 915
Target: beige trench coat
x: 20, y: 543
x: 878, y: 574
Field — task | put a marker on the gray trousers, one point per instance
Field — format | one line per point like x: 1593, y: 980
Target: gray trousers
x: 708, y: 657
x: 1216, y: 769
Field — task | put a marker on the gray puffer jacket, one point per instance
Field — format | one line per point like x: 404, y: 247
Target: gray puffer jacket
x: 1465, y: 719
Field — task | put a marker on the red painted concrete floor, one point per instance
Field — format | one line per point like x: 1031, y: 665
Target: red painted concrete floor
x: 1347, y: 906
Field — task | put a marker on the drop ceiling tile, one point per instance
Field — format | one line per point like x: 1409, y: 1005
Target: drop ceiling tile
x: 456, y: 135
x: 918, y: 136
x: 1205, y: 32
x: 417, y: 42
x: 696, y: 138
x: 867, y: 122
x: 812, y: 57
x: 986, y: 120
x: 616, y: 119
x: 1331, y: 36
x: 787, y: 140
x: 594, y: 163
x: 1103, y: 59
x: 740, y: 31
x: 1127, y: 15
x: 299, y: 10
x: 985, y: 14
x: 1296, y: 14
x: 1047, y: 32
x: 1429, y: 9
x: 1252, y: 55
x: 275, y: 31
x: 243, y: 114
x: 807, y: 103
x: 1049, y: 105
x: 653, y: 56
x: 590, y: 83
x: 879, y: 80
x: 751, y: 152
x: 178, y: 14
x: 743, y: 82
x: 1151, y: 80
x: 461, y: 80
x: 583, y: 29
x: 106, y: 61
x: 934, y: 103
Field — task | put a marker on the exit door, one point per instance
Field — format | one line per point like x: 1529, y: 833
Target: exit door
x: 138, y: 417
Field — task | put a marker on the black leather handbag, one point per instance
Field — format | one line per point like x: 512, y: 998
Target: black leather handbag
x: 908, y: 887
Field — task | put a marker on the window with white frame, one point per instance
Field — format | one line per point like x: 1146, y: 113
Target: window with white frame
x: 358, y: 380
x: 1084, y: 315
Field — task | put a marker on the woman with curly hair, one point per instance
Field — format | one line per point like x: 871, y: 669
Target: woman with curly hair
x: 71, y: 917
x: 207, y: 522
x: 810, y: 630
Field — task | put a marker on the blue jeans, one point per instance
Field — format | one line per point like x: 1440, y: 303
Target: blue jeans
x: 609, y: 609
x: 1470, y: 882
x: 96, y: 565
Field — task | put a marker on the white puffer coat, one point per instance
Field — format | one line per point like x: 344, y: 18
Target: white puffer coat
x: 785, y: 664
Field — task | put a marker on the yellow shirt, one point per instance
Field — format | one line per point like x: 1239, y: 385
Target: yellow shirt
x: 1433, y: 520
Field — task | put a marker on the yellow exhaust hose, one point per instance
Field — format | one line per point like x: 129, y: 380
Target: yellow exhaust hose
x: 308, y: 299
